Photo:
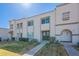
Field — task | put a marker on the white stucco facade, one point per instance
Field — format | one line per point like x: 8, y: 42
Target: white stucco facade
x: 63, y: 30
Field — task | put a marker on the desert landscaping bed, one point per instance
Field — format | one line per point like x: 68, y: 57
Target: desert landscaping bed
x: 15, y: 47
x: 52, y: 50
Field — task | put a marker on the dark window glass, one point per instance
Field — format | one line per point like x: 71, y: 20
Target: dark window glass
x: 11, y: 26
x: 66, y: 15
x: 45, y: 20
x: 30, y: 23
x: 21, y: 25
x: 17, y: 25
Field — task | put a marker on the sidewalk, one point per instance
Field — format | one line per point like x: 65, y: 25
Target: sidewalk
x: 71, y: 51
x: 35, y: 49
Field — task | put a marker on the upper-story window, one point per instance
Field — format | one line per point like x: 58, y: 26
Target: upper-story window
x: 11, y: 26
x: 17, y: 25
x: 30, y: 23
x: 45, y: 20
x: 21, y: 25
x: 66, y: 15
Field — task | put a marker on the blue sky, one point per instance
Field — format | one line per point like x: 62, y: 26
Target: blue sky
x: 10, y: 11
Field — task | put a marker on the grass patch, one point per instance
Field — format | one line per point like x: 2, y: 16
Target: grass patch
x: 19, y: 47
x: 52, y: 50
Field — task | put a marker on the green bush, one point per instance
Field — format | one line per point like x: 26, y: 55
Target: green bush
x: 53, y: 40
x: 7, y: 39
x: 57, y: 42
x: 46, y: 37
x: 23, y: 39
x: 0, y: 39
x: 78, y: 44
x: 13, y: 38
x: 32, y: 41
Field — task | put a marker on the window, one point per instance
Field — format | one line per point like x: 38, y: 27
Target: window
x: 11, y: 33
x: 21, y: 25
x: 11, y: 26
x: 17, y: 25
x: 66, y: 15
x: 30, y: 35
x: 45, y: 20
x: 30, y: 23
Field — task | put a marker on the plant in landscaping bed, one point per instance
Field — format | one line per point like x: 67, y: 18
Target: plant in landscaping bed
x: 78, y: 44
x: 19, y: 47
x: 23, y: 39
x: 46, y: 37
x: 13, y: 38
x: 53, y: 40
x: 33, y: 41
x: 0, y: 39
x: 51, y: 49
x: 7, y: 39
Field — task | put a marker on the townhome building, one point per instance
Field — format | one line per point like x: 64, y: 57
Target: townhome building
x: 62, y: 23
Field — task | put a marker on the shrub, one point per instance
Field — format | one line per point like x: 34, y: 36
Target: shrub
x: 52, y: 39
x: 46, y: 37
x: 57, y: 42
x: 23, y: 39
x: 78, y: 44
x: 7, y: 39
x: 32, y: 41
x: 13, y: 38
x: 0, y: 39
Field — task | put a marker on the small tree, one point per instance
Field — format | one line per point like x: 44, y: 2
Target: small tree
x: 52, y: 39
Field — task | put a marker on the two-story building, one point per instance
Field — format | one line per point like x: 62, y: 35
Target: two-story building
x: 62, y: 23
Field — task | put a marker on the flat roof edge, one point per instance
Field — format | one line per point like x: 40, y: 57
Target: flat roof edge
x: 33, y: 15
x: 62, y: 4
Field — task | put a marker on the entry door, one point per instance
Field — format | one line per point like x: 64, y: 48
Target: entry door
x: 45, y: 35
x: 67, y: 36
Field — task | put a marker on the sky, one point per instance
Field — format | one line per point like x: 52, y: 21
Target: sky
x: 9, y: 11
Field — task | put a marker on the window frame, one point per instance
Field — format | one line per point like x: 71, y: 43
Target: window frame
x: 66, y: 15
x: 30, y: 23
x: 45, y: 20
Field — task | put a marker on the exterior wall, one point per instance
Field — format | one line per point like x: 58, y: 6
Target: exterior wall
x: 45, y: 27
x: 37, y: 32
x: 4, y: 33
x: 74, y: 31
x: 56, y: 25
x: 52, y: 24
x: 74, y: 15
x: 25, y: 28
x: 30, y: 30
x: 36, y: 28
x: 72, y: 24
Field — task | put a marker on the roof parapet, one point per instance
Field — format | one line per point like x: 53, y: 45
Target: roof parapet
x: 62, y: 4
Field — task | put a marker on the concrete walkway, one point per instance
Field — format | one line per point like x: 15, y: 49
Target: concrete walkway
x: 70, y: 50
x: 36, y: 49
